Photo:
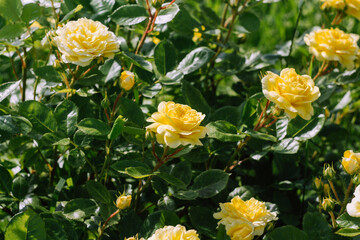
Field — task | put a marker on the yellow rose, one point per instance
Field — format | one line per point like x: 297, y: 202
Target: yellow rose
x: 176, y: 124
x: 333, y: 45
x: 174, y: 233
x: 292, y: 92
x: 134, y: 238
x: 337, y: 4
x: 123, y: 202
x: 244, y: 219
x: 353, y: 8
x: 127, y: 80
x: 83, y: 40
x: 351, y: 162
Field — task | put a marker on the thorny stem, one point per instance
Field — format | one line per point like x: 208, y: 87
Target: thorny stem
x: 323, y: 67
x: 346, y: 198
x: 106, y: 222
x: 332, y: 219
x: 334, y: 191
x: 165, y: 7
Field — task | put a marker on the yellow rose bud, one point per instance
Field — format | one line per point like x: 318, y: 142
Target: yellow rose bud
x: 328, y: 204
x: 353, y: 8
x: 351, y: 162
x: 123, y: 202
x: 329, y: 171
x: 127, y: 80
x: 174, y: 233
x: 333, y: 45
x: 177, y: 124
x: 292, y: 92
x: 134, y: 238
x: 336, y: 4
x: 318, y: 183
x: 83, y: 40
x: 327, y: 190
x: 244, y: 219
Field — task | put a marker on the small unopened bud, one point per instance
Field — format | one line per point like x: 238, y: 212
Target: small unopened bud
x: 318, y: 184
x: 123, y: 202
x: 127, y: 80
x: 105, y: 103
x: 241, y: 38
x: 328, y: 204
x: 329, y: 171
x: 327, y: 190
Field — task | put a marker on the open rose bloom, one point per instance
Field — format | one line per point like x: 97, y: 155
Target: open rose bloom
x: 83, y: 40
x: 336, y: 4
x: 177, y: 124
x: 353, y: 208
x: 292, y: 92
x: 333, y: 45
x: 174, y: 233
x: 244, y: 219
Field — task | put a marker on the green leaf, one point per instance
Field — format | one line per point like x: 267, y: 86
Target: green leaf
x: 281, y: 127
x: 80, y: 208
x: 348, y: 232
x: 133, y: 130
x: 15, y: 124
x: 347, y: 221
x: 121, y: 166
x: 8, y: 88
x: 93, y: 127
x: 20, y: 187
x: 117, y: 128
x: 11, y: 9
x: 249, y: 21
x: 172, y: 180
x: 25, y: 226
x: 194, y: 98
x: 286, y: 146
x: 54, y: 231
x: 138, y: 172
x: 31, y: 11
x: 228, y: 113
x: 130, y: 110
x: 129, y: 15
x: 102, y: 6
x: 152, y: 90
x: 244, y: 192
x: 66, y: 114
x: 167, y: 14
x: 5, y: 180
x: 182, y: 171
x: 346, y: 99
x: 11, y: 32
x: 187, y: 195
x: 165, y: 57
x: 224, y: 131
x: 48, y: 73
x: 286, y: 233
x: 203, y: 220
x: 209, y: 183
x: 111, y: 69
x: 137, y: 60
x: 40, y: 116
x: 195, y: 60
x: 72, y: 13
x: 316, y: 226
x: 98, y: 192
x: 259, y: 135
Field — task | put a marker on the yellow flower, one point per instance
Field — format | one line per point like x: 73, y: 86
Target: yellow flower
x: 134, y: 238
x: 353, y: 8
x: 351, y: 162
x: 127, y: 80
x: 83, y: 40
x: 337, y: 4
x: 353, y: 208
x: 174, y: 233
x: 177, y: 124
x: 156, y: 40
x: 123, y: 202
x: 292, y: 92
x: 244, y: 219
x: 197, y: 34
x: 333, y: 45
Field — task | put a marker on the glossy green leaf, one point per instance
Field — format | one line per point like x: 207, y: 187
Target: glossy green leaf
x: 31, y: 11
x: 8, y: 88
x: 111, y: 69
x: 11, y: 9
x: 260, y: 135
x: 93, y: 127
x: 137, y: 60
x: 348, y: 232
x: 48, y: 73
x: 12, y: 31
x: 121, y: 166
x: 347, y: 221
x: 286, y: 146
x: 20, y: 187
x: 203, y: 220
x: 131, y: 110
x: 102, y: 6
x: 209, y: 183
x: 80, y: 208
x: 286, y: 233
x: 138, y: 172
x: 14, y: 124
x: 98, y: 192
x: 66, y: 114
x: 182, y: 171
x: 5, y: 180
x: 129, y: 15
x: 172, y: 180
x: 194, y: 98
x: 117, y: 128
x: 224, y: 131
x: 25, y: 226
x: 54, y: 231
x: 167, y: 14
x: 316, y: 226
x: 195, y: 60
x: 249, y: 21
x: 165, y: 57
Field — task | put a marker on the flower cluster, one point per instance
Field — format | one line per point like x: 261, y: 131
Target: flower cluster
x: 178, y: 232
x: 292, y: 92
x: 353, y: 208
x: 351, y: 7
x: 336, y: 4
x: 351, y: 162
x: 83, y: 40
x: 333, y: 45
x: 244, y: 219
x: 177, y: 124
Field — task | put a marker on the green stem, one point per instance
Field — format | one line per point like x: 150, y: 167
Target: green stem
x: 346, y: 198
x: 106, y: 222
x: 295, y: 29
